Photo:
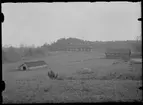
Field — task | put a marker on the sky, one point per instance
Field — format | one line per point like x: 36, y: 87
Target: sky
x: 39, y: 23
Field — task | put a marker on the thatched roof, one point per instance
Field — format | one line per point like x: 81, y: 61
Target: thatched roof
x: 35, y: 63
x: 136, y: 60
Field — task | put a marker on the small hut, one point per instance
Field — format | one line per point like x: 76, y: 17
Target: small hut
x: 32, y: 65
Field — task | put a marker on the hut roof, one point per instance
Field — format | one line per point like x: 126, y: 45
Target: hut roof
x: 136, y: 60
x: 118, y: 51
x: 35, y: 63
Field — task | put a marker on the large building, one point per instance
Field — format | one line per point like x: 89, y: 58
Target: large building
x: 78, y: 48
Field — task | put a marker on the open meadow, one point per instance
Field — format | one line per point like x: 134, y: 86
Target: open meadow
x: 107, y: 82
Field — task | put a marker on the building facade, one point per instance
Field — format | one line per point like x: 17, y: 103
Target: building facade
x: 86, y: 48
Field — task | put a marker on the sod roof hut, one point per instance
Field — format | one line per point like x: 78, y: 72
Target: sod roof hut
x: 32, y: 65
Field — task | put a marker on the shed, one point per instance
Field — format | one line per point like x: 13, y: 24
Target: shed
x: 136, y: 61
x: 118, y: 53
x: 32, y: 65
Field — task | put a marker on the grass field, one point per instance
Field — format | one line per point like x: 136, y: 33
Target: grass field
x: 107, y: 82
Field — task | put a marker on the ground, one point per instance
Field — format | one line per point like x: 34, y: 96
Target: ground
x: 108, y: 82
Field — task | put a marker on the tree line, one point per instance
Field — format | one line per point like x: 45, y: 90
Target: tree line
x: 13, y: 54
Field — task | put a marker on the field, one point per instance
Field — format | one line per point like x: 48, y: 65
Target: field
x: 108, y: 82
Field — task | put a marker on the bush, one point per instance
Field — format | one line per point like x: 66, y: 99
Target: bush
x: 52, y: 75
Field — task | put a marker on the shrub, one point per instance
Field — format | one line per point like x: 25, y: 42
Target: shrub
x: 52, y: 75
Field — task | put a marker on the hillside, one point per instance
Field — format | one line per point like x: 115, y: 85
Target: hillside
x: 97, y: 45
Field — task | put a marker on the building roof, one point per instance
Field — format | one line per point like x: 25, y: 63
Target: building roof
x: 35, y: 63
x: 138, y: 60
x: 118, y: 51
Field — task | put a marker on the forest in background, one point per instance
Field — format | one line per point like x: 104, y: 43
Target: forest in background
x: 15, y: 54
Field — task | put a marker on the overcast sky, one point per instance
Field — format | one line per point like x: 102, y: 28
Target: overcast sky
x: 38, y: 23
